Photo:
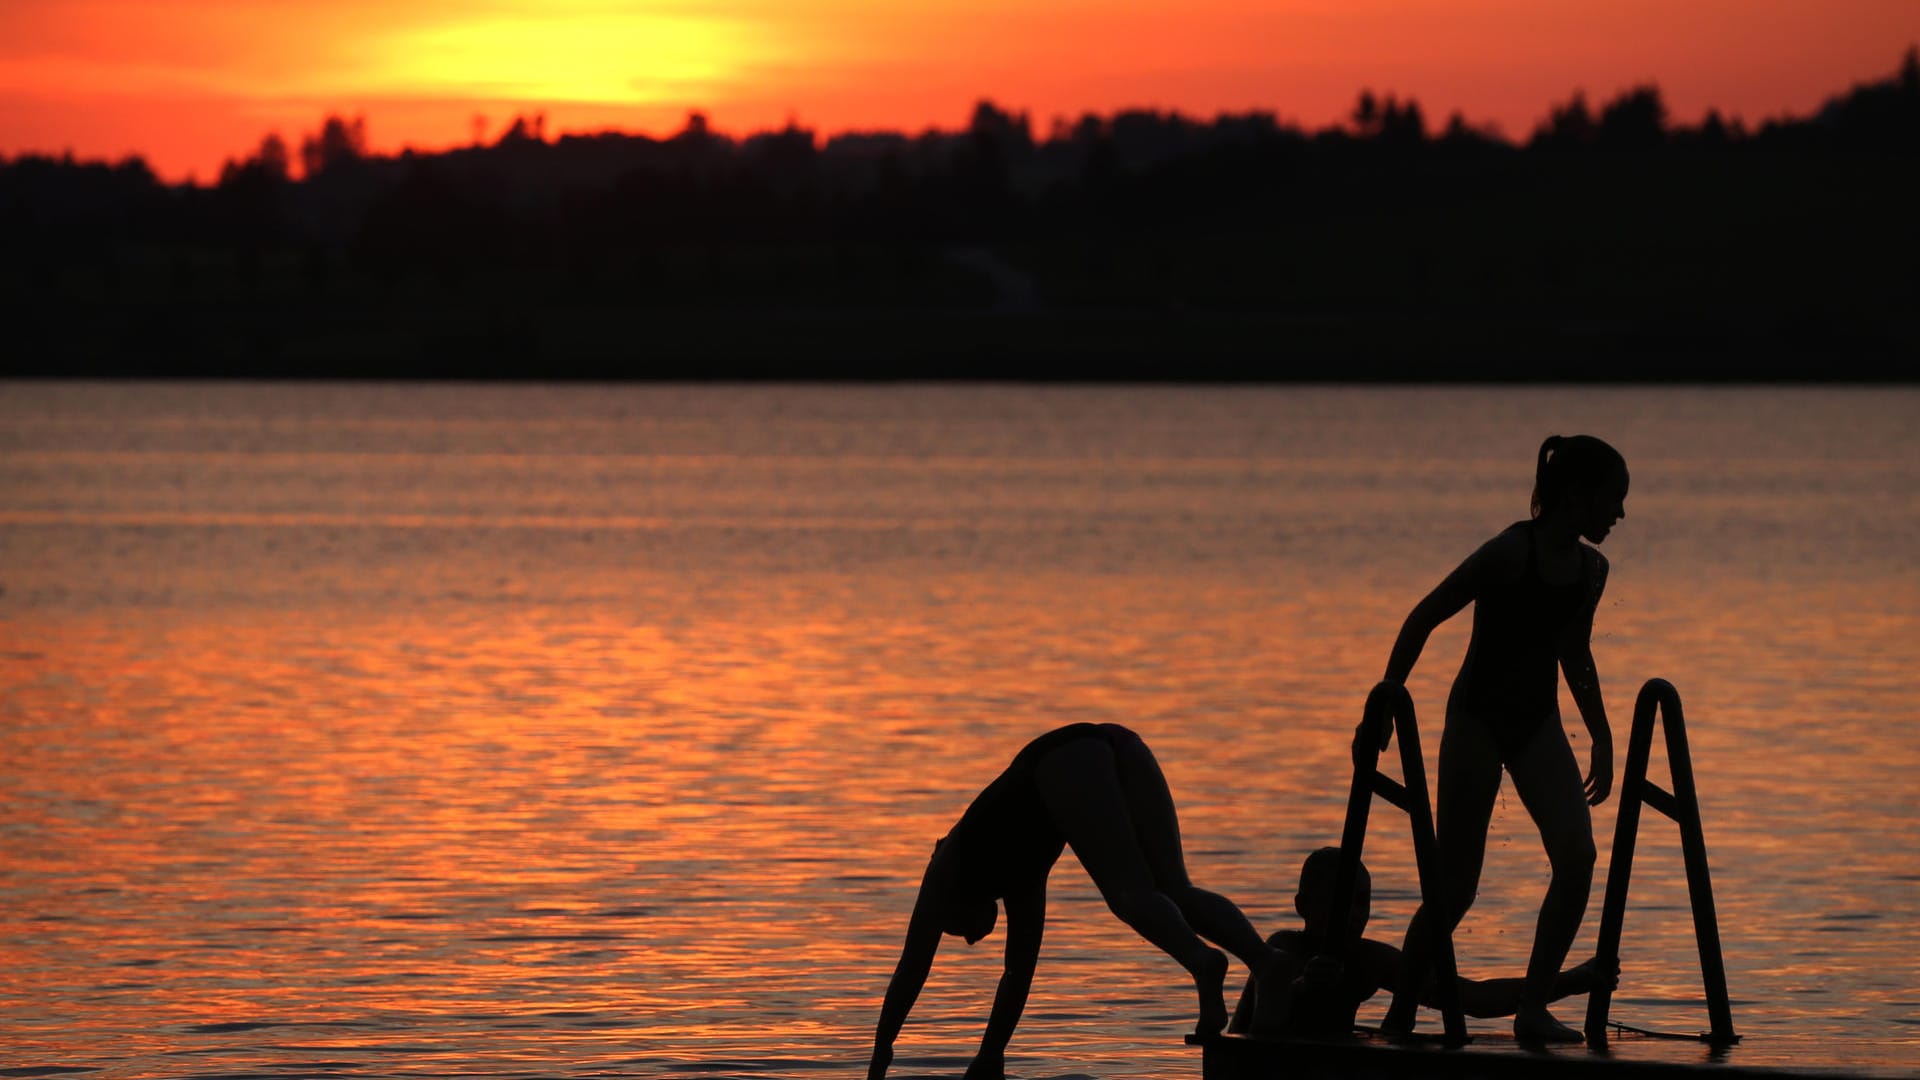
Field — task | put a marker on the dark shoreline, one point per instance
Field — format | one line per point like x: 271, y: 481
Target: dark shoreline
x: 478, y: 340
x: 1611, y: 246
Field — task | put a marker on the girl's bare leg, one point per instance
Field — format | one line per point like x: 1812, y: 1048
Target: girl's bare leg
x: 1467, y: 782
x: 1548, y: 781
x: 1157, y: 825
x: 1080, y: 784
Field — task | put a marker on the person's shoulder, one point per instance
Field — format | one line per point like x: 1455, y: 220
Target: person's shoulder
x: 1506, y: 550
x: 1293, y: 941
x: 1515, y: 537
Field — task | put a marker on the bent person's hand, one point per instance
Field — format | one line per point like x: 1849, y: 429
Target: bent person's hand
x: 987, y: 1066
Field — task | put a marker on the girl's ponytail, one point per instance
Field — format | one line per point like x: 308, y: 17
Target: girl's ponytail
x: 1569, y: 463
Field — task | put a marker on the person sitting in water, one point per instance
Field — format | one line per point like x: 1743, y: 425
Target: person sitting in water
x: 1335, y: 991
x: 1098, y: 789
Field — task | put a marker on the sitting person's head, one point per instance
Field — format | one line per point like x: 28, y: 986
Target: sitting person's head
x: 1315, y: 899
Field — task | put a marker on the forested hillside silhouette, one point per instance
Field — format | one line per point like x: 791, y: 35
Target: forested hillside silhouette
x: 1609, y: 243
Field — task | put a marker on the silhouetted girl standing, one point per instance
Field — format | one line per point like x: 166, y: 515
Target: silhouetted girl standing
x: 1534, y: 589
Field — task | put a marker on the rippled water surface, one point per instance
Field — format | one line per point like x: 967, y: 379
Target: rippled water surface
x: 372, y: 730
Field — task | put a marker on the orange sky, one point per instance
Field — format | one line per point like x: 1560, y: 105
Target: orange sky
x: 188, y: 83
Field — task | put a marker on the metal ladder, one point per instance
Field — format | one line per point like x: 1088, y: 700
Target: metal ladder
x: 1390, y: 706
x: 1659, y: 700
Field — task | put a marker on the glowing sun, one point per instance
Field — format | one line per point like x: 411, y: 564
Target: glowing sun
x: 606, y: 58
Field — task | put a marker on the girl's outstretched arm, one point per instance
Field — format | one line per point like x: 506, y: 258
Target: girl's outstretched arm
x: 1453, y: 593
x: 916, y: 959
x: 1488, y: 998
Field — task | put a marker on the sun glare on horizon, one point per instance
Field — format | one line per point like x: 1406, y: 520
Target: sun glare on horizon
x: 602, y: 58
x: 187, y: 84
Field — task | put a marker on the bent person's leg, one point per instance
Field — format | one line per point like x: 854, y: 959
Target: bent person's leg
x: 1157, y: 825
x: 1080, y: 784
x: 1548, y: 781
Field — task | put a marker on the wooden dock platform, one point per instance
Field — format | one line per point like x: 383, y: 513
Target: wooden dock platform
x: 1371, y: 1056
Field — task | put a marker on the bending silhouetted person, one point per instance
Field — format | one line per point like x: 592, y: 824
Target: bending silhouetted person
x: 1323, y: 1002
x: 1534, y: 589
x: 1098, y: 789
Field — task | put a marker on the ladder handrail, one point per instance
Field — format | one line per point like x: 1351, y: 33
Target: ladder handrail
x: 1659, y: 700
x: 1389, y: 706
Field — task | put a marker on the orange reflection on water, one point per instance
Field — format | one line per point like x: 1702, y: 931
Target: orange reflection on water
x: 440, y: 778
x: 274, y: 822
x: 528, y: 827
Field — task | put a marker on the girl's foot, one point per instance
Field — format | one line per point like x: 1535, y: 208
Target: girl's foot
x: 1210, y: 979
x: 1537, y: 1027
x: 1399, y: 1019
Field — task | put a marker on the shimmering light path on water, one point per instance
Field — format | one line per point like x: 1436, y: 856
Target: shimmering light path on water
x: 390, y: 730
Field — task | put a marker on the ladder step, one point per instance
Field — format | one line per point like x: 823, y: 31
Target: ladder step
x: 1661, y: 800
x: 1389, y: 716
x: 1392, y: 791
x: 1659, y: 703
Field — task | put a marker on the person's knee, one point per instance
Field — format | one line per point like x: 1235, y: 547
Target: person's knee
x: 1141, y: 906
x: 1460, y: 887
x: 1573, y: 854
x: 1186, y: 896
x: 1127, y: 905
x: 1459, y: 902
x: 1454, y: 906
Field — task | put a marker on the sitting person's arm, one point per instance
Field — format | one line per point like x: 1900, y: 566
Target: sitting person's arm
x: 1486, y: 998
x: 1377, y: 964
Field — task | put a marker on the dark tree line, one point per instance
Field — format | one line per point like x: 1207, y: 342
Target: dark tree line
x: 1691, y: 236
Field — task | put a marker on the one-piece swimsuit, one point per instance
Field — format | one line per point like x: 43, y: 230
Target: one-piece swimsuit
x: 1510, y: 679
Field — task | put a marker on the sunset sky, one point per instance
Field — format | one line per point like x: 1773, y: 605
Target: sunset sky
x: 189, y: 83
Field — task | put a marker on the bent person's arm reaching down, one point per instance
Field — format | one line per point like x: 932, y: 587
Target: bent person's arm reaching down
x: 916, y: 959
x: 1026, y: 918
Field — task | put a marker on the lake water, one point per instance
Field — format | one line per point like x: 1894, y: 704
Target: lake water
x: 501, y: 731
